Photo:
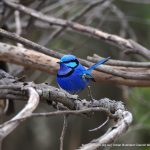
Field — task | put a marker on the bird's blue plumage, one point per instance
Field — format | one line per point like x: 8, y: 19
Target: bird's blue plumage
x: 72, y: 76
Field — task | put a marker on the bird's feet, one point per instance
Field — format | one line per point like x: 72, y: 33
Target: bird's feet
x: 90, y: 94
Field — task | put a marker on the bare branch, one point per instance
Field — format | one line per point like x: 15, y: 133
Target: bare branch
x: 44, y: 59
x: 46, y: 63
x: 111, y: 135
x: 114, y: 109
x: 115, y: 40
x: 18, y: 22
x: 55, y: 6
x: 47, y: 92
x: 125, y: 27
x: 90, y: 6
x: 29, y: 43
x: 18, y: 25
x: 138, y: 1
x: 64, y: 112
x: 25, y: 112
x: 124, y: 74
x: 63, y: 133
x: 29, y: 58
x: 124, y: 120
x: 99, y: 127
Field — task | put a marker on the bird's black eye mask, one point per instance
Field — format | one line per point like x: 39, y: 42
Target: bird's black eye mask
x: 71, y: 63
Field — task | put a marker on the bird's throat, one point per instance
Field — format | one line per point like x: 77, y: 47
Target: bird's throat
x: 65, y: 74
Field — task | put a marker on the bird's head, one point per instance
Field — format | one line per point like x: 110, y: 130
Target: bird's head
x: 69, y: 61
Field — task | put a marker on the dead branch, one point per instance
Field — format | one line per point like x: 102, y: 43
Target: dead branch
x: 112, y: 134
x: 50, y: 93
x: 114, y: 109
x: 28, y: 58
x: 25, y: 112
x: 90, y: 6
x: 120, y: 72
x: 29, y: 43
x: 36, y: 60
x: 124, y: 44
x: 63, y: 133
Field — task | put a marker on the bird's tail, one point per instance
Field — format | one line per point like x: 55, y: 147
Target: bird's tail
x: 89, y: 70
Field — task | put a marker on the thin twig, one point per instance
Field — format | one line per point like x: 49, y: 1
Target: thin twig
x: 123, y: 21
x: 18, y: 22
x: 99, y: 127
x: 55, y: 6
x: 138, y: 1
x: 112, y: 134
x: 59, y: 113
x: 63, y: 133
x: 58, y: 31
x: 31, y: 20
x: 18, y: 25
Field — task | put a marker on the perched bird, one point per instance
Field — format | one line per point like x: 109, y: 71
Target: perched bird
x: 72, y: 76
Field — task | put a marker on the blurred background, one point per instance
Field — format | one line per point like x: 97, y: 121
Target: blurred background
x: 126, y: 18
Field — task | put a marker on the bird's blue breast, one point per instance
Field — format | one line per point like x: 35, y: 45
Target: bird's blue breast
x: 71, y: 80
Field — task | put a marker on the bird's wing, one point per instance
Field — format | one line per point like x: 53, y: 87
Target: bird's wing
x: 88, y: 76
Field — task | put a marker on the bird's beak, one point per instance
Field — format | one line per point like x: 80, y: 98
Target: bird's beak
x: 58, y: 62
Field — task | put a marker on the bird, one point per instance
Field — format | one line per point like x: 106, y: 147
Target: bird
x: 72, y: 76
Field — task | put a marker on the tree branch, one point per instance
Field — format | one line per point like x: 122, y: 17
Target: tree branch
x: 25, y: 112
x: 124, y: 44
x: 112, y: 134
x: 114, y: 109
x: 90, y: 6
x: 44, y: 59
x: 63, y: 133
x: 32, y: 59
x: 50, y: 93
x: 29, y: 43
